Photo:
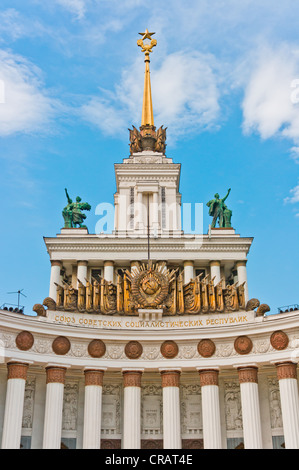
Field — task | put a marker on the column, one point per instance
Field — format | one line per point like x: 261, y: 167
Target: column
x: 140, y: 211
x: 171, y: 408
x: 242, y: 277
x: 132, y: 409
x: 55, y: 277
x: 109, y: 271
x: 14, y: 403
x: 155, y: 212
x: 215, y: 271
x: 252, y: 429
x: 92, y: 408
x: 288, y: 387
x: 188, y: 271
x: 82, y: 271
x: 54, y: 405
x: 210, y: 408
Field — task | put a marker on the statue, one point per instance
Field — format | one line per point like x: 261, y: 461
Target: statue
x: 161, y: 139
x: 72, y: 212
x: 135, y: 141
x: 218, y: 210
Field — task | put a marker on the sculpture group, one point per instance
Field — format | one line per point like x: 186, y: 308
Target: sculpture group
x: 146, y: 287
x: 72, y: 213
x: 219, y: 211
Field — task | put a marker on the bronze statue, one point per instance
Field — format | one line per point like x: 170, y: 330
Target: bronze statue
x: 72, y: 212
x: 219, y: 211
x: 161, y: 139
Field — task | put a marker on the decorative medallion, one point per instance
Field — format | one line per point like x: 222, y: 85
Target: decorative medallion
x: 24, y: 340
x: 206, y: 348
x: 61, y: 345
x: 243, y: 345
x: 169, y: 349
x: 279, y: 340
x: 96, y: 348
x: 150, y: 286
x: 133, y: 350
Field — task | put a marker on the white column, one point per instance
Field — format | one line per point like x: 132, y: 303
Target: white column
x: 171, y: 409
x: 13, y: 414
x: 55, y: 277
x: 242, y: 277
x: 252, y: 429
x: 109, y: 271
x: 288, y: 387
x: 215, y: 271
x: 188, y: 271
x: 92, y: 409
x: 132, y: 409
x: 54, y: 406
x: 82, y: 271
x: 140, y: 212
x: 210, y: 408
x: 155, y: 211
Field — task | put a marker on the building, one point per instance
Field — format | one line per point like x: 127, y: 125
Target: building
x: 149, y: 338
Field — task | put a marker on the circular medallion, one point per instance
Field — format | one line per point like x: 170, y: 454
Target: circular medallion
x: 206, y: 348
x: 24, y: 340
x: 279, y: 340
x: 169, y: 349
x: 61, y: 345
x: 133, y: 350
x: 96, y: 348
x: 243, y: 345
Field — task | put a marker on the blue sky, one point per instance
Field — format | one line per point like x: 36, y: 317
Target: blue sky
x: 225, y: 81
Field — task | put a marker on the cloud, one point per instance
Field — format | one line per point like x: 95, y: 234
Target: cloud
x: 184, y: 91
x: 25, y: 106
x: 77, y: 7
x: 268, y: 106
x: 294, y: 198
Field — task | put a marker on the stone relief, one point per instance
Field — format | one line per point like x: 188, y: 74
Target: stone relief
x: 274, y: 401
x: 151, y: 410
x: 28, y: 403
x: 233, y: 409
x: 111, y: 410
x: 191, y: 416
x: 70, y: 406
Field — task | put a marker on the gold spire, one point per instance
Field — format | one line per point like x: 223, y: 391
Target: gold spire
x: 147, y: 107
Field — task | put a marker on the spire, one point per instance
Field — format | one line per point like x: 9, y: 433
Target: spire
x: 147, y: 119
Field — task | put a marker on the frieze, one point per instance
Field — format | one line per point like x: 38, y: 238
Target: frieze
x: 28, y: 403
x: 70, y: 406
x: 274, y: 400
x: 233, y: 407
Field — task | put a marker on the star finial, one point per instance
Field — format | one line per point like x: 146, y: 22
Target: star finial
x: 146, y: 35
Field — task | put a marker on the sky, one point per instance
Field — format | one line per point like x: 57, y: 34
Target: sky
x: 225, y: 83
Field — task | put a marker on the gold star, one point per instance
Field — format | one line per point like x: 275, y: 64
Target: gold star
x: 146, y: 35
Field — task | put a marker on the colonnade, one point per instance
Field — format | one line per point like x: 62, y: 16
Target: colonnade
x: 170, y: 379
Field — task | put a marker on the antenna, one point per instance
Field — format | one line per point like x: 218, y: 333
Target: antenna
x: 19, y: 292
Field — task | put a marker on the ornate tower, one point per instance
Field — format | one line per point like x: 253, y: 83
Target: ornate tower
x: 147, y: 196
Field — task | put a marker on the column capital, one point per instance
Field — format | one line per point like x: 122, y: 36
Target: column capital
x: 17, y: 370
x: 241, y: 263
x: 82, y: 263
x: 170, y: 377
x: 132, y: 378
x: 188, y: 263
x: 94, y: 377
x: 215, y: 263
x: 55, y: 374
x: 286, y: 370
x: 208, y: 376
x: 55, y: 262
x: 108, y: 263
x: 248, y: 374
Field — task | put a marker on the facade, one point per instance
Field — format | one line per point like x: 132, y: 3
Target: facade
x: 149, y: 337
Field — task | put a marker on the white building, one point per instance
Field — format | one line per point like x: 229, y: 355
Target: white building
x: 148, y: 338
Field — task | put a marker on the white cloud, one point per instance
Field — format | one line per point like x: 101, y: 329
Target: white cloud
x: 294, y: 198
x: 184, y: 90
x: 77, y: 7
x: 25, y: 106
x: 268, y: 107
